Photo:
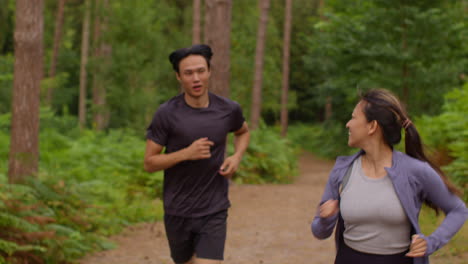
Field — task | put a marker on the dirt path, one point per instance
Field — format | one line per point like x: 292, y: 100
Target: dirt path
x: 267, y: 224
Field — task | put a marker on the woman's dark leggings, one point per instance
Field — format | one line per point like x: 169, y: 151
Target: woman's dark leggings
x: 347, y: 255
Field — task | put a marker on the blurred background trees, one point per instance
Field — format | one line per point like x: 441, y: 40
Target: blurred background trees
x: 106, y: 70
x: 416, y: 49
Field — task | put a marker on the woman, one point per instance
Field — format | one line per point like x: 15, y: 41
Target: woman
x: 374, y: 197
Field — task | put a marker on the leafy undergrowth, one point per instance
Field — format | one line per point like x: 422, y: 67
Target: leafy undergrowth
x: 92, y: 184
x: 268, y: 159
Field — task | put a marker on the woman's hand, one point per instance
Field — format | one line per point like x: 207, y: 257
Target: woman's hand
x: 418, y: 247
x: 329, y: 208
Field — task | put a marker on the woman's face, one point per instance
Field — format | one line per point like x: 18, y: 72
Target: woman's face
x: 358, y: 127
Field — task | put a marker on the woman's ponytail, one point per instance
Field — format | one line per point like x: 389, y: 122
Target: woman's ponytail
x: 414, y: 148
x: 386, y: 109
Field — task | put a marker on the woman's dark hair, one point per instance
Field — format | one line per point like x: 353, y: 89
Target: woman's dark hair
x: 199, y: 49
x: 384, y: 107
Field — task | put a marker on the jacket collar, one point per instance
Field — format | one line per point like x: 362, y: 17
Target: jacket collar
x: 346, y: 161
x: 397, y: 156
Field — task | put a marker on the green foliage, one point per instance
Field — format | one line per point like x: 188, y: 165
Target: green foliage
x: 91, y: 185
x: 350, y: 46
x: 414, y: 48
x: 448, y: 132
x: 6, y: 82
x: 243, y: 44
x: 7, y: 10
x: 139, y: 81
x: 418, y: 45
x: 9, y: 248
x: 11, y: 221
x: 268, y: 159
x: 106, y: 169
x: 32, y: 217
x: 327, y: 140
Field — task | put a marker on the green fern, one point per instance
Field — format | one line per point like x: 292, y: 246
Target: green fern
x: 8, y: 221
x: 10, y: 247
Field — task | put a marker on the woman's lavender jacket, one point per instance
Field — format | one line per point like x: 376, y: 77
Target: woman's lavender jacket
x: 414, y: 181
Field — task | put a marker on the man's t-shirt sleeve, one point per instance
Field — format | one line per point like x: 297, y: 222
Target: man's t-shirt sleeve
x: 158, y: 130
x: 238, y: 118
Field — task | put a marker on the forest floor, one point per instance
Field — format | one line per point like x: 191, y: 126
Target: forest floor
x: 267, y: 224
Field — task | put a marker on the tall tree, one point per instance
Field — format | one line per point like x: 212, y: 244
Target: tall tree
x: 28, y: 69
x: 55, y: 51
x: 196, y: 27
x: 102, y: 51
x: 217, y: 33
x: 256, y: 108
x: 84, y: 63
x: 285, y: 82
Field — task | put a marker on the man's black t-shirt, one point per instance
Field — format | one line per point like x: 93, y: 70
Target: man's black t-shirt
x: 194, y: 188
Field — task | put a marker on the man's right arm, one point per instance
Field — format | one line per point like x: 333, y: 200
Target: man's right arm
x: 156, y: 161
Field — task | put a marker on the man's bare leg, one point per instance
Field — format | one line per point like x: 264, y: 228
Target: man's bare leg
x: 207, y: 261
x: 195, y: 260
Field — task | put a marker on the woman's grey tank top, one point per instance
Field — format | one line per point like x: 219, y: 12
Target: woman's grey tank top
x: 375, y: 221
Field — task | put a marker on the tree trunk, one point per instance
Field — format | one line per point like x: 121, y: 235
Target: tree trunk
x: 102, y: 53
x: 256, y: 107
x: 218, y: 36
x: 28, y: 70
x: 285, y: 84
x: 196, y: 27
x: 84, y: 63
x: 57, y: 40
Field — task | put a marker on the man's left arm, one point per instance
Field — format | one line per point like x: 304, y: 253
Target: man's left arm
x: 241, y: 141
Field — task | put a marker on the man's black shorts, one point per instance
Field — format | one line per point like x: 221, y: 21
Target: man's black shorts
x: 203, y: 236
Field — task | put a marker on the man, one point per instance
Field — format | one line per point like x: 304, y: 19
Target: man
x: 193, y: 127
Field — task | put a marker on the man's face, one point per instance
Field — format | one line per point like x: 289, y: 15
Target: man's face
x: 194, y: 75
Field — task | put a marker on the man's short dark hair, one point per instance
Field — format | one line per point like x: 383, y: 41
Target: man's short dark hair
x: 198, y: 49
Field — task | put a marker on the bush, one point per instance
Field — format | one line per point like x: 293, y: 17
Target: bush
x: 268, y: 159
x: 44, y: 223
x: 327, y: 140
x: 447, y: 133
x: 6, y: 82
x: 90, y: 185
